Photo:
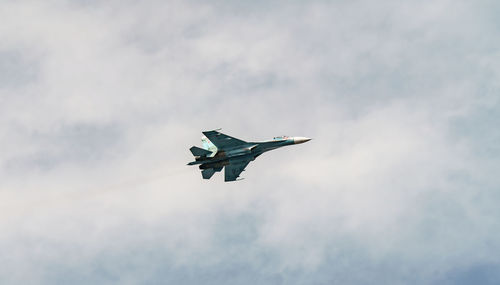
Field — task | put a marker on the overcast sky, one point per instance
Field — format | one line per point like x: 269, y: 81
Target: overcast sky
x: 101, y: 100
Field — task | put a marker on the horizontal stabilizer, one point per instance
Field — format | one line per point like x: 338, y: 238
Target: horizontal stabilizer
x: 196, y: 151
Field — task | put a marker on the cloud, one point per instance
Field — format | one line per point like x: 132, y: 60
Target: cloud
x: 100, y: 101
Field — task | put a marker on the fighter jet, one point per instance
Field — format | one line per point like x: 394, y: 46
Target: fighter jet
x: 221, y: 150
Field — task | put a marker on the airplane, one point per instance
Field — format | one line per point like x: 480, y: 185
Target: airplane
x: 221, y: 150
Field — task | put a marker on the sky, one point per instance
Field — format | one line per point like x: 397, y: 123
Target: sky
x: 101, y: 100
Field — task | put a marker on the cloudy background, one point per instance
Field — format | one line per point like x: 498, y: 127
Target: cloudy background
x: 100, y: 101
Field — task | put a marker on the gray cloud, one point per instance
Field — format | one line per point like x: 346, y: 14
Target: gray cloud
x: 100, y: 101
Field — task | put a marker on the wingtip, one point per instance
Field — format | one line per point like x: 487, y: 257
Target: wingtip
x: 215, y: 130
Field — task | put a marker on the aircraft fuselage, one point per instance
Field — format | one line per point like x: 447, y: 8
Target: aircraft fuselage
x: 248, y: 151
x: 223, y: 151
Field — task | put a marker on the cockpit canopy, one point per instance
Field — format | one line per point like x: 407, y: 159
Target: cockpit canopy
x: 280, y: 138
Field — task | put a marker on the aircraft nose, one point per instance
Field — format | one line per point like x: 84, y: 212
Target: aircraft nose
x: 297, y: 140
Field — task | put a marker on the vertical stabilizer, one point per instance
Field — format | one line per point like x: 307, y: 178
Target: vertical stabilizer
x: 208, y: 145
x: 207, y: 173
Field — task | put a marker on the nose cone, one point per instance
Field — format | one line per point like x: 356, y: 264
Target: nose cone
x: 297, y: 140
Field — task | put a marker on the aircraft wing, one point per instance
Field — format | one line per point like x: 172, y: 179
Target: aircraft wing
x: 222, y: 141
x: 234, y: 169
